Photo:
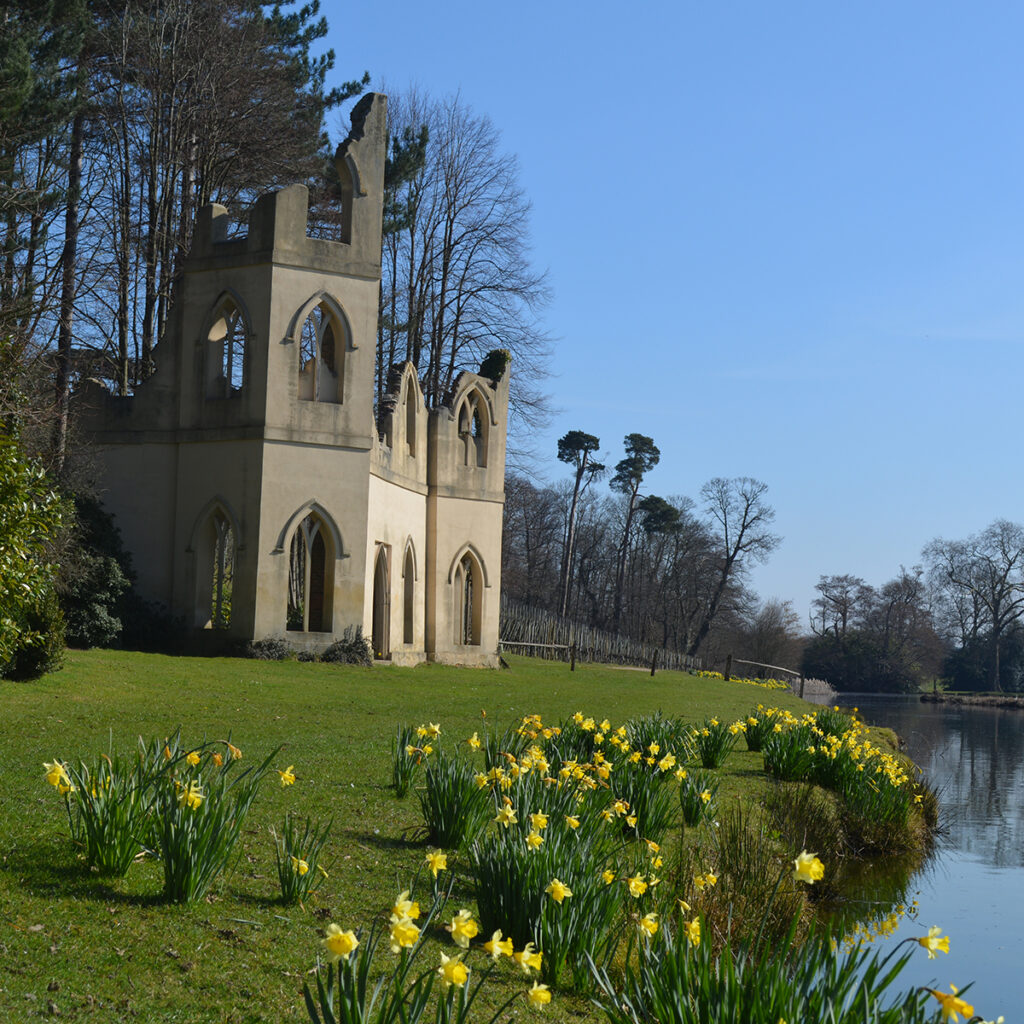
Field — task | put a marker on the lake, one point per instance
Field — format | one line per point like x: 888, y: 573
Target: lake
x: 973, y: 887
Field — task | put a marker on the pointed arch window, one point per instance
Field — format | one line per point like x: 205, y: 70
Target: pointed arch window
x: 216, y: 552
x: 408, y: 598
x: 381, y: 626
x: 322, y: 356
x: 310, y: 577
x: 473, y: 429
x: 468, y: 597
x: 410, y: 420
x: 226, y: 369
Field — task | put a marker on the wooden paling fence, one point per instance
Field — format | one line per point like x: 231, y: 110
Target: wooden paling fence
x: 527, y: 630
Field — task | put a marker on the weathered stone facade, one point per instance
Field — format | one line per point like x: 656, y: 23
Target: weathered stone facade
x: 254, y: 488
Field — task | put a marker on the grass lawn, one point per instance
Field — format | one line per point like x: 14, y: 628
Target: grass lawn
x: 111, y: 950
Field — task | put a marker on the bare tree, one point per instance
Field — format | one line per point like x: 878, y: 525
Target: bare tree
x: 741, y: 519
x: 457, y: 280
x: 983, y: 574
x: 841, y: 600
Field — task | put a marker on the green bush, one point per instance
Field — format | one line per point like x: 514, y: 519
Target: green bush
x: 45, y: 652
x: 352, y: 649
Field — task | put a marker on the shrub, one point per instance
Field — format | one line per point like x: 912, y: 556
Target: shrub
x: 45, y: 652
x: 352, y: 649
x: 298, y: 858
x: 455, y: 807
x: 272, y: 648
x: 713, y: 740
x: 112, y: 802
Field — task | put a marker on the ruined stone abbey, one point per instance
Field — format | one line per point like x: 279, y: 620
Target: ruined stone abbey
x: 255, y: 488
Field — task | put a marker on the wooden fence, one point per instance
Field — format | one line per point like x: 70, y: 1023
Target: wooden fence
x: 527, y: 630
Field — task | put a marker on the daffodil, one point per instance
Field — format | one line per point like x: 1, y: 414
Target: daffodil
x: 952, y: 1005
x: 339, y: 943
x: 528, y: 959
x: 539, y: 995
x: 557, y: 890
x: 534, y: 840
x: 572, y: 821
x: 807, y: 868
x: 506, y: 814
x: 436, y: 861
x: 56, y: 774
x: 649, y: 924
x: 637, y: 886
x: 608, y: 876
x: 496, y: 946
x: 474, y: 742
x: 190, y: 796
x: 453, y: 971
x: 463, y: 928
x: 192, y: 757
x: 403, y: 935
x: 287, y: 776
x: 299, y: 865
x: 405, y: 908
x: 236, y: 754
x: 218, y: 759
x: 539, y: 820
x: 692, y: 930
x: 934, y: 941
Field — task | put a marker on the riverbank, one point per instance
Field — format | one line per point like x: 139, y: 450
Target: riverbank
x: 977, y: 700
x: 241, y: 954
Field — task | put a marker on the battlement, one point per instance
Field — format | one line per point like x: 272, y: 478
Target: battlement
x: 278, y: 223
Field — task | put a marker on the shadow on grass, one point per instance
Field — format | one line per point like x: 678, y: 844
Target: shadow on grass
x: 409, y: 840
x: 46, y: 870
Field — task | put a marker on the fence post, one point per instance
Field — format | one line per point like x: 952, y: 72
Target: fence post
x: 572, y: 657
x: 728, y: 667
x: 654, y: 661
x: 801, y: 686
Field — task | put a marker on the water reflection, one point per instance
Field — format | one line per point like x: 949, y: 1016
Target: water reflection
x: 974, y: 887
x: 974, y: 757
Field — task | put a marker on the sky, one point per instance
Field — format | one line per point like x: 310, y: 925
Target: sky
x: 784, y: 240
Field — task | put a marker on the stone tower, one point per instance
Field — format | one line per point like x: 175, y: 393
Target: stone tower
x: 257, y: 492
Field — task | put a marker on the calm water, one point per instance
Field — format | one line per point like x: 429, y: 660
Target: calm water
x: 974, y: 887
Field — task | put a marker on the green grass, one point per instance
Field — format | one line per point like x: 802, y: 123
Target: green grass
x: 109, y: 949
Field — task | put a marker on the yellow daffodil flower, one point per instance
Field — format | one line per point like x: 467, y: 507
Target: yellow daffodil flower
x: 192, y: 757
x: 506, y: 815
x: 933, y: 942
x: 571, y: 821
x: 649, y: 924
x: 405, y: 909
x: 683, y: 906
x: 339, y: 944
x: 287, y: 776
x: 56, y: 774
x: 453, y: 971
x: 190, y: 795
x: 705, y: 796
x: 539, y: 995
x: 218, y: 759
x: 807, y: 868
x: 528, y: 959
x: 558, y: 891
x: 463, y: 928
x: 608, y: 876
x: 534, y: 840
x: 403, y: 935
x: 236, y: 754
x: 474, y: 742
x: 496, y: 947
x: 952, y: 1005
x: 436, y: 861
x: 539, y: 820
x: 692, y: 930
x: 637, y: 886
x: 299, y: 865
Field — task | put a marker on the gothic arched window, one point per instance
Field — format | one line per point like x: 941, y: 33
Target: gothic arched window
x: 322, y: 356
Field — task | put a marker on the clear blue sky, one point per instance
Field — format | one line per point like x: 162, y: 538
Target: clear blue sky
x: 784, y: 240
